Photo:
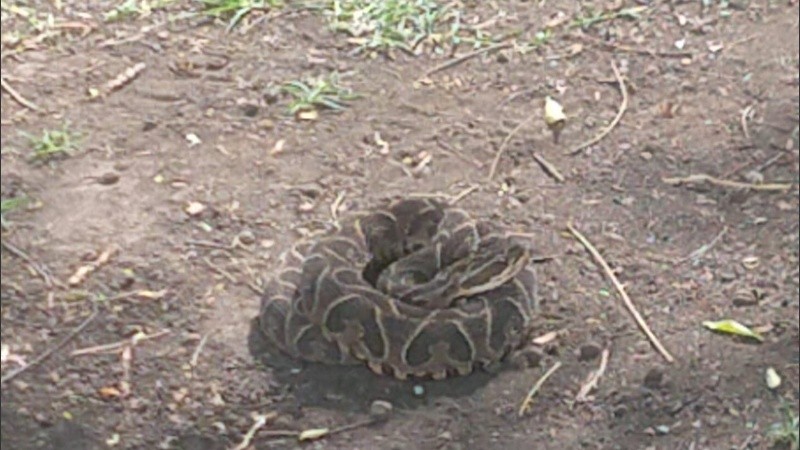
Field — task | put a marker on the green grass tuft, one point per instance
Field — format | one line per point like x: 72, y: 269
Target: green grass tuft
x: 52, y: 144
x: 318, y: 93
x: 236, y: 10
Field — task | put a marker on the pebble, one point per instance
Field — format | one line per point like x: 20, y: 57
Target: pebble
x: 654, y: 378
x: 419, y: 391
x: 589, y: 352
x: 246, y: 237
x: 380, y: 409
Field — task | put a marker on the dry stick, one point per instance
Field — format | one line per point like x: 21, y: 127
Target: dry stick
x: 628, y: 303
x: 593, y: 379
x: 503, y: 145
x: 117, y: 345
x: 640, y: 51
x: 260, y: 421
x: 548, y: 167
x: 700, y: 177
x: 17, y: 96
x: 41, y: 358
x: 460, y: 59
x: 48, y: 279
x: 461, y: 195
x: 706, y: 247
x: 622, y: 108
x: 745, y: 114
x: 200, y: 345
x: 528, y: 401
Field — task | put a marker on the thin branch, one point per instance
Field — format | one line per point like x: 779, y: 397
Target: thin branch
x: 700, y: 177
x: 549, y: 168
x: 628, y: 303
x: 528, y: 401
x: 503, y: 145
x: 17, y: 96
x: 593, y: 380
x: 41, y: 358
x: 38, y: 268
x: 705, y: 248
x: 467, y: 56
x: 622, y: 108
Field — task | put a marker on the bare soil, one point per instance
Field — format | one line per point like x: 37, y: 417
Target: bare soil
x: 197, y: 385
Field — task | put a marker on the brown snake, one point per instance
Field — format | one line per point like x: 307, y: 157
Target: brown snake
x: 413, y: 289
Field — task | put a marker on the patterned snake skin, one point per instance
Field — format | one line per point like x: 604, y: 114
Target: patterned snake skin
x: 412, y: 289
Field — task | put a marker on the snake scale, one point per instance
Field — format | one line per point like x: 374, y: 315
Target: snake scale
x: 415, y: 288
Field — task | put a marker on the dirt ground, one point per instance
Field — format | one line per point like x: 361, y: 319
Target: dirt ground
x: 189, y: 179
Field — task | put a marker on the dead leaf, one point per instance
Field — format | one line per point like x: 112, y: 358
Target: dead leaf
x: 308, y: 115
x: 195, y: 208
x: 152, y: 295
x: 109, y: 392
x: 545, y: 338
x: 314, y: 433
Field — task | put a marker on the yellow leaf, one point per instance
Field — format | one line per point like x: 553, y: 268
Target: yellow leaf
x: 109, y: 392
x: 773, y: 379
x: 310, y: 114
x: 553, y: 112
x: 732, y: 327
x: 314, y: 433
x: 152, y: 295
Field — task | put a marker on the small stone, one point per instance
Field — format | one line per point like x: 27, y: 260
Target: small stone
x: 419, y: 391
x: 446, y: 436
x: 380, y: 409
x: 727, y: 277
x: 108, y: 178
x: 250, y: 110
x: 589, y: 352
x: 266, y: 124
x: 654, y: 378
x: 246, y: 237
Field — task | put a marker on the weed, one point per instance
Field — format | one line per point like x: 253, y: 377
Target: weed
x: 237, y: 9
x: 135, y: 8
x: 787, y: 431
x: 401, y: 24
x: 8, y: 205
x: 322, y: 92
x: 52, y: 143
x: 593, y: 18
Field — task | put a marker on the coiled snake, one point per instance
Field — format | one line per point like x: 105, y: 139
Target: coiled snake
x: 413, y: 289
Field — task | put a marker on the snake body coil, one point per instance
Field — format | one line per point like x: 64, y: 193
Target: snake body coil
x: 413, y: 289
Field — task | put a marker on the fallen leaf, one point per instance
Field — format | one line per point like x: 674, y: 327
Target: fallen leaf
x: 732, y: 327
x: 545, y: 338
x: 750, y: 262
x: 278, y: 147
x: 773, y: 379
x: 152, y: 295
x: 195, y: 208
x: 108, y: 392
x: 193, y: 140
x: 310, y: 114
x: 314, y: 433
x: 553, y: 112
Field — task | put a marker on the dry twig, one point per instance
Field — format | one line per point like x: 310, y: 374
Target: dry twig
x: 622, y: 108
x: 49, y: 352
x: 467, y: 56
x: 593, y: 379
x: 745, y: 117
x: 17, y: 96
x: 549, y: 168
x: 503, y: 145
x: 639, y: 51
x: 116, y: 346
x: 701, y: 177
x: 260, y: 421
x: 200, y: 346
x: 706, y: 247
x: 49, y: 280
x: 628, y: 303
x: 528, y: 401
